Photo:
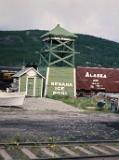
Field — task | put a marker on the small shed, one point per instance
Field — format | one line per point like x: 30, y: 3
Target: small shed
x: 29, y: 80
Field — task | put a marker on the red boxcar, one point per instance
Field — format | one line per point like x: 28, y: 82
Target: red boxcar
x: 96, y: 79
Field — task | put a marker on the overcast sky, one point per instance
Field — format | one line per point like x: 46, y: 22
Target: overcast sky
x: 94, y: 17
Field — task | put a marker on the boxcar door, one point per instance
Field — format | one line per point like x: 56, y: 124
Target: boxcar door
x: 30, y: 87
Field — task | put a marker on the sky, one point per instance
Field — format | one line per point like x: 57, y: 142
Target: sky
x: 93, y: 17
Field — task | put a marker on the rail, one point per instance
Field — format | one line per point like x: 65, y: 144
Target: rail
x: 63, y: 150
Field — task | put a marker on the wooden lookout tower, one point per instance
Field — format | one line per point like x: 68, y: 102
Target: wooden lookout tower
x: 58, y: 56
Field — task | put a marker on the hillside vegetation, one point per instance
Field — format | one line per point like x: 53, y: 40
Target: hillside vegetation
x: 18, y: 47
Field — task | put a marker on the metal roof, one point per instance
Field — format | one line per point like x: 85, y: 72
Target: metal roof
x: 94, y: 78
x: 25, y: 70
x: 59, y: 32
x: 9, y: 68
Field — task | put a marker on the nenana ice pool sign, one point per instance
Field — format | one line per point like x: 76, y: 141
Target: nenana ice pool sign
x: 59, y: 87
x: 60, y: 81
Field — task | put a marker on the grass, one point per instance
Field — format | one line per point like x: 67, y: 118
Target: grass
x: 85, y: 103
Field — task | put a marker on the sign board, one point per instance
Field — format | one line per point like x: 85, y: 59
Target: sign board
x: 60, y: 81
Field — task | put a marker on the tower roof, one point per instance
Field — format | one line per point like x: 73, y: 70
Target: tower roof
x: 59, y: 32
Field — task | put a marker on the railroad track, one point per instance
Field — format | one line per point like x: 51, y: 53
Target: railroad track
x: 60, y: 150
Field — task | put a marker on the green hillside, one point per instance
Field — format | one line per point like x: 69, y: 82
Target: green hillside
x: 18, y: 47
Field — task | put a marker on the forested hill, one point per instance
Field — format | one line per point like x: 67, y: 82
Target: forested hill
x: 18, y: 47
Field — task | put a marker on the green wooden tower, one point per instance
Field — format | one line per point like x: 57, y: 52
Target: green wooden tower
x: 58, y: 55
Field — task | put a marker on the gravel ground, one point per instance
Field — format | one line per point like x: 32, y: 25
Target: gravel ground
x: 41, y: 119
x: 46, y: 104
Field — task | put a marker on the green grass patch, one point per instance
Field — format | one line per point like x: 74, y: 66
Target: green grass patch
x: 86, y: 103
x: 83, y: 102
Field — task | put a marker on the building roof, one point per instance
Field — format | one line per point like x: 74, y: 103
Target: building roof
x: 25, y: 70
x: 9, y: 69
x: 97, y: 78
x: 59, y: 32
